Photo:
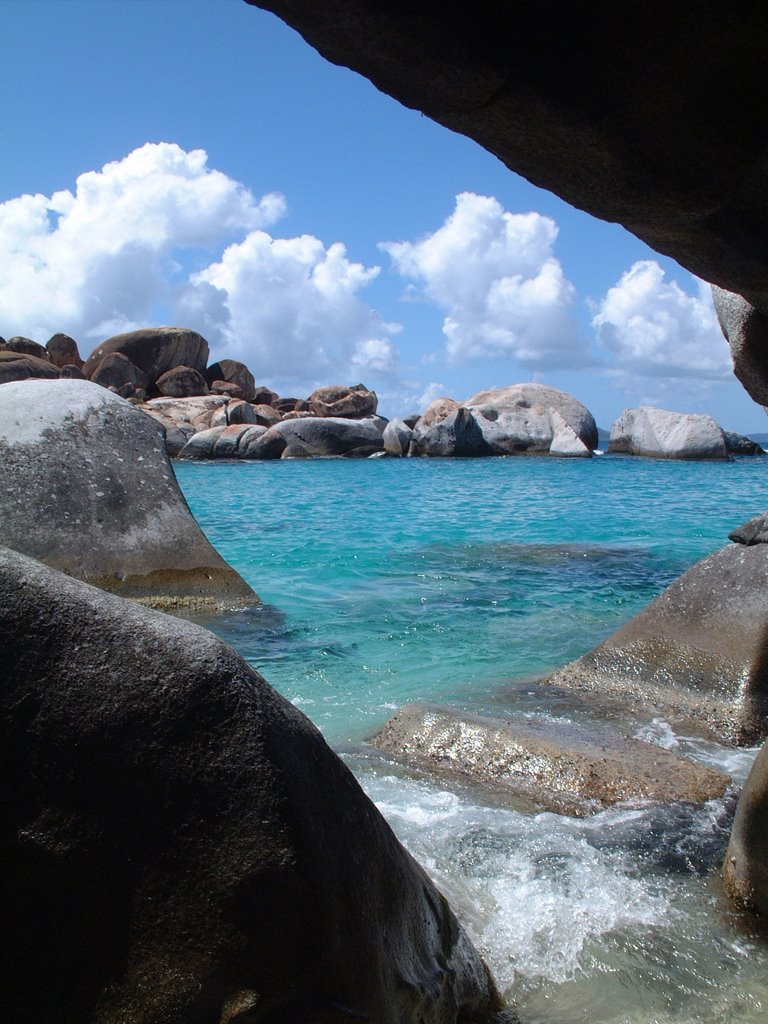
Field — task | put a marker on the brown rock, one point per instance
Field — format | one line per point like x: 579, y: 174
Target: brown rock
x: 745, y: 870
x: 27, y: 347
x: 335, y: 400
x: 63, y: 351
x: 233, y: 372
x: 154, y: 350
x: 17, y: 366
x: 181, y: 382
x: 115, y: 370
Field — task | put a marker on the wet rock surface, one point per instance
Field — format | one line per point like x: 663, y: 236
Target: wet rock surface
x: 554, y: 766
x: 745, y: 871
x: 698, y: 654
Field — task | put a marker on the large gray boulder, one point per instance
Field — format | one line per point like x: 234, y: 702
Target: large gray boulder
x: 155, y: 350
x: 180, y: 845
x: 397, y: 437
x: 660, y: 434
x: 223, y: 442
x: 520, y: 418
x: 745, y: 871
x: 554, y: 766
x: 456, y: 435
x: 86, y: 487
x: 746, y: 329
x: 332, y: 435
x: 698, y: 654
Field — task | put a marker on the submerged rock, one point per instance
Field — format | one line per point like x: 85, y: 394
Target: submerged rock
x: 556, y: 766
x: 181, y: 845
x: 745, y: 871
x: 660, y: 434
x: 698, y: 654
x: 86, y: 487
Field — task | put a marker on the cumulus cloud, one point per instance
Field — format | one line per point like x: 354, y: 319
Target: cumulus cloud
x: 650, y: 327
x: 289, y: 307
x: 98, y: 259
x: 107, y: 256
x: 495, y: 276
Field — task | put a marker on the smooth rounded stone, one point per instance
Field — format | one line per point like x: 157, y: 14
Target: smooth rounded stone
x: 266, y: 415
x: 545, y: 765
x: 745, y: 870
x: 154, y: 350
x: 458, y: 435
x: 16, y: 366
x: 290, y: 404
x: 223, y: 387
x: 236, y: 411
x: 264, y: 396
x: 739, y: 444
x: 566, y: 443
x: 269, y: 445
x: 86, y: 486
x: 297, y: 414
x: 397, y: 437
x: 525, y: 412
x: 63, y: 351
x: 746, y: 330
x: 336, y: 400
x: 181, y: 844
x: 181, y: 382
x: 295, y: 451
x: 697, y: 655
x: 754, y: 531
x: 115, y: 370
x: 233, y: 372
x: 660, y: 434
x: 437, y: 410
x: 332, y: 435
x: 27, y: 347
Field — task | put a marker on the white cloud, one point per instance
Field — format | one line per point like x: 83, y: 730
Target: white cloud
x: 98, y: 259
x: 502, y: 290
x: 651, y: 328
x: 289, y: 308
x: 108, y: 256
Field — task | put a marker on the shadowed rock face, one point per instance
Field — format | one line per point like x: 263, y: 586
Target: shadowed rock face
x: 86, y: 486
x: 745, y: 871
x: 180, y: 845
x: 637, y: 113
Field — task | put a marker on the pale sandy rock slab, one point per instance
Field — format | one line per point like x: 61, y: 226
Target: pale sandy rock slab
x: 660, y: 434
x: 698, y: 654
x: 181, y: 845
x: 566, y: 443
x: 86, y: 487
x: 555, y: 766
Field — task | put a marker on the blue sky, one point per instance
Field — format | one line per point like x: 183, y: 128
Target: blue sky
x: 195, y: 162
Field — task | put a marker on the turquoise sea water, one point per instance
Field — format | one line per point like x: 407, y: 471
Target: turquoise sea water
x: 459, y: 581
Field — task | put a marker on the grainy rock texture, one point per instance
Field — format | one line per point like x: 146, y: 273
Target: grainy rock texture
x: 18, y: 366
x: 660, y: 434
x: 754, y: 531
x: 698, y: 654
x: 180, y: 845
x: 458, y: 434
x: 397, y: 437
x: 745, y: 870
x: 116, y: 370
x: 181, y: 382
x: 336, y: 400
x: 559, y: 767
x: 566, y: 443
x: 86, y: 486
x: 747, y: 332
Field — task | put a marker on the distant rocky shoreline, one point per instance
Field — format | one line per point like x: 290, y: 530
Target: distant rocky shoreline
x: 218, y: 411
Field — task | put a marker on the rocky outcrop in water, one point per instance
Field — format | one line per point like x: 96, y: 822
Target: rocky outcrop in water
x: 86, y: 486
x: 698, y: 654
x: 660, y: 434
x: 179, y: 843
x: 745, y: 871
x: 535, y: 765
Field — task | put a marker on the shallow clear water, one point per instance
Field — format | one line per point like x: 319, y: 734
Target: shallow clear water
x: 461, y: 581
